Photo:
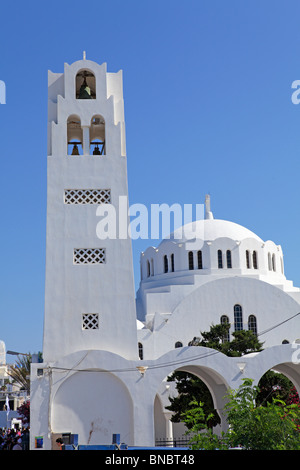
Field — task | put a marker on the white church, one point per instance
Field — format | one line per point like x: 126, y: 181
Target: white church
x: 107, y: 350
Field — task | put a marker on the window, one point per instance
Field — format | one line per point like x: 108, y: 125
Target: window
x: 89, y: 256
x: 152, y: 267
x: 191, y: 260
x: 254, y: 259
x: 172, y: 263
x: 85, y: 85
x: 141, y: 351
x: 252, y: 324
x: 97, y: 135
x: 281, y: 263
x: 74, y: 136
x: 148, y: 268
x: 178, y: 344
x: 238, y: 317
x: 225, y: 320
x: 269, y: 262
x: 87, y: 196
x: 166, y: 267
x: 90, y: 321
x: 220, y: 259
x: 273, y: 262
x: 199, y: 255
x: 247, y: 259
x: 228, y: 259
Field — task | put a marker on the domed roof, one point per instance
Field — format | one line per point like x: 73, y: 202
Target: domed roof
x: 210, y: 230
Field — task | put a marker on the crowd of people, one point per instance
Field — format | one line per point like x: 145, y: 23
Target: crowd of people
x: 14, y: 439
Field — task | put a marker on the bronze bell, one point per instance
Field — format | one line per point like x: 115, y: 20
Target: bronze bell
x: 75, y: 150
x: 85, y: 91
x: 96, y: 151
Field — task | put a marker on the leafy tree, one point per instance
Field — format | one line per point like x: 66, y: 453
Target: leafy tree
x: 244, y: 341
x: 256, y: 427
x: 191, y: 388
x: 251, y: 426
x: 24, y: 412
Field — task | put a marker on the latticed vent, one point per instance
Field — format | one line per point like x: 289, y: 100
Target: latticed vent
x: 90, y: 321
x: 89, y: 256
x: 87, y: 196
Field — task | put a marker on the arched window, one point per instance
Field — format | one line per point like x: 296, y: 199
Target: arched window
x: 220, y: 259
x: 238, y: 317
x: 172, y: 263
x: 269, y: 262
x: 225, y: 320
x: 273, y: 262
x: 152, y: 267
x: 148, y: 268
x: 228, y: 259
x: 247, y: 259
x: 166, y: 267
x: 141, y: 351
x: 97, y: 135
x: 199, y: 255
x: 191, y: 260
x: 74, y: 136
x: 254, y: 260
x: 252, y: 324
x: 85, y: 85
x: 178, y: 344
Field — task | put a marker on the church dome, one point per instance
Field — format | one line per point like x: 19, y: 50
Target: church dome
x: 211, y: 230
x: 212, y: 247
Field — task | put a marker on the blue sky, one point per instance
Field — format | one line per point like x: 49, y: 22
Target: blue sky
x: 207, y: 90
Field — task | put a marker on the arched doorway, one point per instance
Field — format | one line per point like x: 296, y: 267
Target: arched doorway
x: 207, y: 385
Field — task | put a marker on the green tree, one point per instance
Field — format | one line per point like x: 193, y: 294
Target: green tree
x: 256, y: 427
x: 251, y: 426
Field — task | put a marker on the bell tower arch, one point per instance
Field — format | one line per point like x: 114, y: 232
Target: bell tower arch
x: 89, y: 291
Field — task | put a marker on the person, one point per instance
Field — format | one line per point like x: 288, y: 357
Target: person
x: 17, y: 444
x: 60, y: 443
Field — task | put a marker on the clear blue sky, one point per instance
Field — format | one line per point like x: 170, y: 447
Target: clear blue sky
x: 207, y: 90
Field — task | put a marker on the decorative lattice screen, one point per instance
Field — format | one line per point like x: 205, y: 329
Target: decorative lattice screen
x: 87, y: 196
x: 90, y: 321
x: 89, y: 256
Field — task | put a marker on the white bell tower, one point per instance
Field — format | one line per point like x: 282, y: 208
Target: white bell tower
x: 89, y: 292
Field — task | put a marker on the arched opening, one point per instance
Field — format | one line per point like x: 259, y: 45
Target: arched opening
x: 74, y: 136
x: 191, y: 260
x: 175, y: 394
x: 228, y: 259
x: 220, y: 259
x: 199, y: 256
x: 85, y: 85
x: 141, y: 351
x: 280, y: 383
x: 97, y: 135
x: 166, y: 264
x: 238, y: 317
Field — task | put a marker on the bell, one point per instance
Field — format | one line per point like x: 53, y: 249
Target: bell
x: 85, y: 91
x: 96, y: 151
x: 75, y: 150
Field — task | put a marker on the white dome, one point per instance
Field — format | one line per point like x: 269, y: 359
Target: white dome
x: 210, y: 230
